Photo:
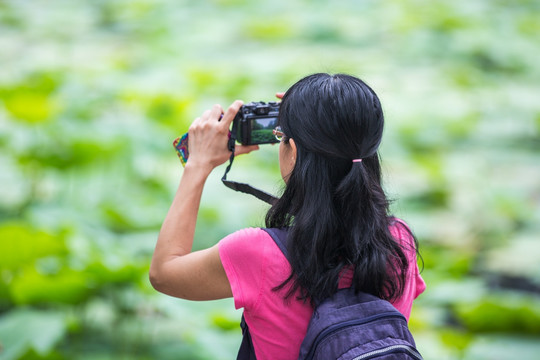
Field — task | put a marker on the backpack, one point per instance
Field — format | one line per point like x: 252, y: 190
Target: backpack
x: 348, y: 326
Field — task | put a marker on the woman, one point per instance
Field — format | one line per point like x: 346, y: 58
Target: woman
x: 333, y: 205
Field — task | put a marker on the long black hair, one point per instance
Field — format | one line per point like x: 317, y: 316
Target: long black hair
x: 336, y: 209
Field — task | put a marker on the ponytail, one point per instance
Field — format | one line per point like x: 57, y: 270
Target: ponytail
x: 379, y: 261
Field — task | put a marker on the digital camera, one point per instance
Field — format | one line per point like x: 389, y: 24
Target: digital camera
x: 255, y: 123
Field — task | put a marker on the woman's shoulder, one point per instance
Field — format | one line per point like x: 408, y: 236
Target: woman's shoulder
x: 245, y: 241
x: 250, y: 233
x: 399, y: 223
x: 401, y: 231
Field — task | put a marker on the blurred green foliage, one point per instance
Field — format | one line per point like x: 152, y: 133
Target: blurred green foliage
x: 92, y: 94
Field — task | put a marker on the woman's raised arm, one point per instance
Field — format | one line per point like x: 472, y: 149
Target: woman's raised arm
x: 175, y: 270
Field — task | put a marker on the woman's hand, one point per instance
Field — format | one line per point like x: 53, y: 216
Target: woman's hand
x: 209, y: 135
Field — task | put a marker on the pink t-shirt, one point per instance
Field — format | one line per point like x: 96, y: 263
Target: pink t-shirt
x: 254, y: 265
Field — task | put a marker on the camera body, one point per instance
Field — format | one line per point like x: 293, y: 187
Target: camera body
x: 255, y: 123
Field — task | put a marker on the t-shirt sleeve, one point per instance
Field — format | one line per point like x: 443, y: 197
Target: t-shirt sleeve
x: 415, y: 284
x: 416, y: 281
x: 242, y: 256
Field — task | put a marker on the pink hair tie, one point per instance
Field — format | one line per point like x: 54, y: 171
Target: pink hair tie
x: 357, y: 160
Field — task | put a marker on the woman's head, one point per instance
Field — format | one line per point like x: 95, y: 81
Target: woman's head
x: 336, y: 208
x: 336, y: 117
x: 329, y: 121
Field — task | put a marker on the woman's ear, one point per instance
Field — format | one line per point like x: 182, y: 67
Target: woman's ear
x: 292, y: 144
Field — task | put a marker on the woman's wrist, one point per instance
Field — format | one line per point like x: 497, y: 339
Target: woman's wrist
x: 198, y: 168
x: 194, y: 176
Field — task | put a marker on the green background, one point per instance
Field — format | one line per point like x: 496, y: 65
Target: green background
x: 94, y: 92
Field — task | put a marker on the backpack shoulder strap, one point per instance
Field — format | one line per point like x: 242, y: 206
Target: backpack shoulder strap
x: 246, y: 351
x: 279, y: 235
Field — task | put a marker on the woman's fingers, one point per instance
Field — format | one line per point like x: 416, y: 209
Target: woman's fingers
x: 231, y: 112
x: 279, y: 95
x: 245, y: 149
x: 212, y: 115
x: 216, y: 112
x: 209, y: 136
x: 205, y: 116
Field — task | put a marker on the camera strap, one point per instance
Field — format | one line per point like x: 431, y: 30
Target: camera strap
x: 242, y: 187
